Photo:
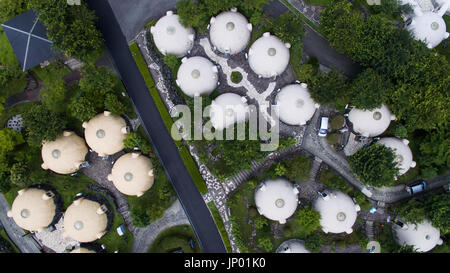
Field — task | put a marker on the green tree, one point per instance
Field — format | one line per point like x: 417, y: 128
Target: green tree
x: 400, y: 131
x: 297, y: 168
x: 307, y: 73
x: 308, y: 221
x: 82, y: 109
x: 313, y: 243
x: 438, y: 211
x: 261, y: 222
x: 19, y: 175
x: 140, y: 218
x: 369, y: 90
x: 412, y: 211
x: 96, y: 83
x: 11, y: 8
x: 53, y: 95
x: 135, y: 140
x: 280, y: 169
x: 265, y: 244
x: 113, y: 104
x: 9, y: 139
x: 191, y: 16
x: 330, y: 88
x: 289, y: 28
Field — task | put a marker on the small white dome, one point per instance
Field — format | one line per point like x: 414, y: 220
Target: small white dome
x: 292, y: 246
x: 197, y: 76
x: 403, y: 154
x: 227, y: 109
x: 423, y: 237
x: 371, y: 123
x: 338, y: 212
x: 430, y: 28
x: 276, y: 199
x: 171, y: 37
x: 268, y: 56
x: 230, y: 32
x: 295, y: 105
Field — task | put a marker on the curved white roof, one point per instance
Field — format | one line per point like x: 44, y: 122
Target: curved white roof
x: 423, y: 237
x: 227, y: 109
x: 430, y: 28
x: 230, y: 32
x: 295, y: 105
x: 370, y: 123
x: 276, y: 199
x: 292, y: 246
x: 404, y: 156
x: 268, y: 56
x: 197, y: 76
x: 171, y: 37
x: 338, y: 212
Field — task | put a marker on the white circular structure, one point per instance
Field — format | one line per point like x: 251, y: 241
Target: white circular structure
x: 171, y: 37
x: 33, y: 209
x: 403, y: 154
x: 269, y: 56
x: 292, y: 246
x: 423, y: 236
x: 428, y: 27
x: 65, y: 154
x: 295, y: 105
x: 197, y: 76
x: 228, y: 109
x: 370, y: 123
x: 230, y: 32
x: 105, y: 133
x: 276, y: 199
x: 132, y: 174
x: 338, y: 212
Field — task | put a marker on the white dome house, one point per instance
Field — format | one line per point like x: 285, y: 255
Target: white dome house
x: 338, y: 212
x: 276, y: 199
x: 269, y: 56
x: 228, y: 109
x: 295, y: 105
x: 404, y: 156
x: 292, y: 246
x: 230, y: 32
x: 197, y: 76
x: 423, y: 237
x: 171, y: 37
x: 370, y: 123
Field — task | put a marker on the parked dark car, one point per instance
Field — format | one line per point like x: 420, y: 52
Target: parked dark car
x: 416, y: 186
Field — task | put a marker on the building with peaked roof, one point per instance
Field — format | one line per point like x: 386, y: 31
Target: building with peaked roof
x: 228, y: 109
x: 370, y: 123
x: 171, y: 37
x: 28, y: 38
x: 132, y: 174
x: 230, y: 32
x: 276, y: 199
x: 105, y: 133
x: 197, y: 76
x: 269, y: 56
x: 295, y: 105
x: 403, y: 154
x: 33, y: 209
x: 65, y: 154
x: 337, y: 211
x: 292, y: 246
x: 85, y: 220
x: 423, y: 236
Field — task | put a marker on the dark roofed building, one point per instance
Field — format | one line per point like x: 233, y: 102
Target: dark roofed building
x: 28, y: 38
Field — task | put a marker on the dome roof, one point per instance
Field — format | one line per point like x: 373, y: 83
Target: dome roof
x: 430, y: 28
x: 197, y: 76
x: 65, y: 154
x: 338, y: 212
x: 82, y: 250
x: 292, y: 246
x: 227, y: 109
x: 105, y: 133
x: 171, y: 37
x: 370, y: 123
x: 85, y: 220
x: 33, y: 209
x: 295, y: 105
x: 276, y: 199
x: 230, y: 32
x: 132, y: 174
x: 402, y: 151
x: 423, y: 237
x: 268, y: 56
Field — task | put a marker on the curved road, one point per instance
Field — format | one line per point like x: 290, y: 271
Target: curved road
x: 198, y: 213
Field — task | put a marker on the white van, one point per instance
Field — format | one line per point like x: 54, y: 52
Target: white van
x: 323, y: 129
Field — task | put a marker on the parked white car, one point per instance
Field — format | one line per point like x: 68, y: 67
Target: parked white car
x: 323, y: 129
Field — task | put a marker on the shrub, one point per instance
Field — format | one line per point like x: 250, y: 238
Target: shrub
x: 236, y: 77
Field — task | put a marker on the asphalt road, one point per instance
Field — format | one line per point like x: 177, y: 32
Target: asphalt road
x: 196, y: 210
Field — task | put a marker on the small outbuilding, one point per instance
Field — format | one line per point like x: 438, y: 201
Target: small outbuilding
x: 132, y: 174
x: 228, y: 109
x: 230, y: 32
x: 105, y: 133
x: 269, y: 56
x: 197, y: 76
x: 403, y: 154
x: 423, y: 236
x: 33, y: 209
x: 292, y: 246
x: 370, y: 123
x: 171, y: 37
x: 276, y: 199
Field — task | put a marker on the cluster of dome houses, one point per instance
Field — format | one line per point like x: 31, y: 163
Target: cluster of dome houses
x: 86, y: 219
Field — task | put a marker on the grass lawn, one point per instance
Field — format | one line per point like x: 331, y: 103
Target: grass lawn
x: 219, y: 223
x: 175, y: 238
x: 113, y: 241
x: 6, y: 237
x: 54, y: 71
x: 7, y: 56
